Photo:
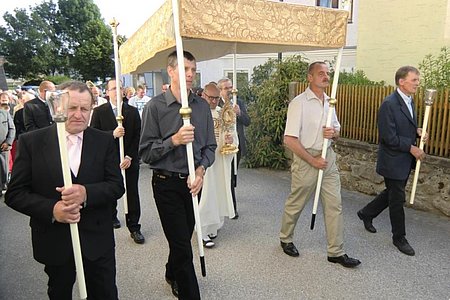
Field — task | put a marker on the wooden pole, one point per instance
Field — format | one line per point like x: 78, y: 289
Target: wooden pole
x: 119, y: 117
x: 332, y: 103
x: 185, y: 112
x: 430, y: 95
x: 57, y: 101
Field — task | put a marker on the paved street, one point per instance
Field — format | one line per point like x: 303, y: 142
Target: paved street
x: 248, y: 262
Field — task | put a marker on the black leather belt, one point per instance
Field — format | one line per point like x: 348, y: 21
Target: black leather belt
x: 167, y: 174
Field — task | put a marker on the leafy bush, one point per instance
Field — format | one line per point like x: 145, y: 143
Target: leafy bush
x: 435, y: 70
x: 357, y: 78
x: 267, y: 98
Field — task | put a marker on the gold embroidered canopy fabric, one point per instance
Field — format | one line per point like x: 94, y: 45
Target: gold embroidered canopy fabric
x: 214, y: 28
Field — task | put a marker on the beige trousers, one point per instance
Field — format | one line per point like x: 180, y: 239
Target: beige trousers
x: 303, y: 185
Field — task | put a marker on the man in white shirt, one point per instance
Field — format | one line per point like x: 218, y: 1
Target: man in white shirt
x: 304, y: 136
x: 140, y: 98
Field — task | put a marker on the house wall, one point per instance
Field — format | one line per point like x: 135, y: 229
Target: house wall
x: 392, y: 34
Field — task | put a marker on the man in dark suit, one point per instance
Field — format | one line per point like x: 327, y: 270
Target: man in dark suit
x: 104, y: 118
x: 35, y: 112
x: 37, y: 190
x: 242, y: 119
x: 397, y: 154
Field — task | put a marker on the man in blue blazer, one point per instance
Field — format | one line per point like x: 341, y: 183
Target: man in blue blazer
x: 37, y: 189
x: 397, y: 155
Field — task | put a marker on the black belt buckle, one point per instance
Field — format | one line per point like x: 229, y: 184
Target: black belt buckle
x: 163, y: 174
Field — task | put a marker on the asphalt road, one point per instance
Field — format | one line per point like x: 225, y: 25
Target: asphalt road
x: 248, y: 262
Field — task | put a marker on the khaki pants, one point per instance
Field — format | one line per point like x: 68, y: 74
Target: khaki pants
x: 303, y: 185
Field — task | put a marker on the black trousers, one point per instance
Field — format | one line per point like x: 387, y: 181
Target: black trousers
x: 100, y: 277
x: 174, y: 204
x: 234, y: 179
x: 393, y: 197
x: 134, y: 203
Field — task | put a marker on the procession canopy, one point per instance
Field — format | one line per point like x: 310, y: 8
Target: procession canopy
x: 214, y: 28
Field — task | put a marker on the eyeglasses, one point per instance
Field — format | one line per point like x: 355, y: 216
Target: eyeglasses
x: 217, y: 98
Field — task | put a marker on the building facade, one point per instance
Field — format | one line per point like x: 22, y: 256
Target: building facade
x: 392, y: 34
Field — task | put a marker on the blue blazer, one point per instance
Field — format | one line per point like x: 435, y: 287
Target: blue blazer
x: 397, y: 132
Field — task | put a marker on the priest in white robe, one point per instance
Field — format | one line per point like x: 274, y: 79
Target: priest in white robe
x: 216, y: 201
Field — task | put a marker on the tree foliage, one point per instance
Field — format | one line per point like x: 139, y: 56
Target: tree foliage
x: 435, y: 69
x: 267, y: 97
x: 50, y: 39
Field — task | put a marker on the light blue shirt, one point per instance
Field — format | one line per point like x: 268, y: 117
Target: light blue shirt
x: 408, y: 101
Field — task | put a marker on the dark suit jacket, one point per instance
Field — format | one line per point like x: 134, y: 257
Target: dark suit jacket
x: 242, y: 120
x: 31, y: 191
x: 36, y: 115
x: 397, y: 132
x: 19, y: 123
x: 103, y: 118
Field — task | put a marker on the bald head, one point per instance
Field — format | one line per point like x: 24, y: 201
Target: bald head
x: 46, y: 86
x: 211, y: 94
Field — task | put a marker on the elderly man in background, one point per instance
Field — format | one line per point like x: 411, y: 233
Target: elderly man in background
x: 242, y: 120
x: 216, y: 200
x: 7, y: 135
x: 36, y: 113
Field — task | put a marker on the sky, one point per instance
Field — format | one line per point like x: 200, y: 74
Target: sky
x: 131, y: 14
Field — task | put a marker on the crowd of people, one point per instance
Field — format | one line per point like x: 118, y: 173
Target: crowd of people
x: 94, y: 127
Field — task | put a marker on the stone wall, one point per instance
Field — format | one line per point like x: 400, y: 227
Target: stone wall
x: 357, y: 161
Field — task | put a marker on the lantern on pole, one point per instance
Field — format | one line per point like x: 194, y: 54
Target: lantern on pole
x: 58, y: 103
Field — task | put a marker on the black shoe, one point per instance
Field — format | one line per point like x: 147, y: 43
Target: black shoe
x: 289, y: 249
x: 367, y: 222
x: 344, y: 260
x: 174, y: 286
x: 212, y: 236
x: 403, y: 245
x: 137, y: 237
x: 116, y: 224
x: 236, y: 215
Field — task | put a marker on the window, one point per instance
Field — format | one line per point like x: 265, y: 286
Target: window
x: 198, y: 80
x: 148, y: 80
x: 149, y: 83
x: 242, y: 78
x: 328, y: 3
x: 336, y: 4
